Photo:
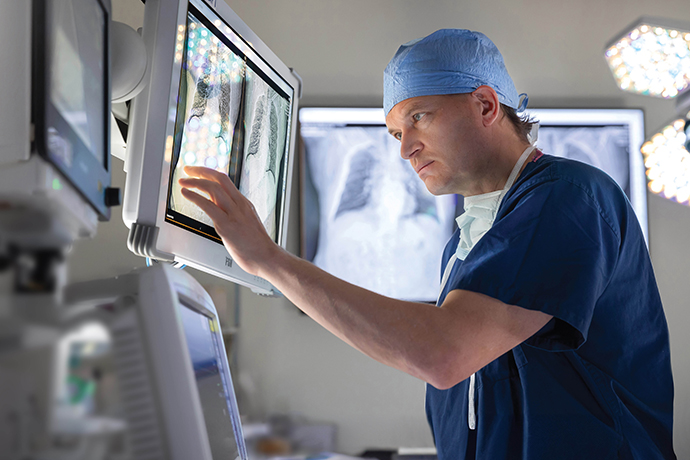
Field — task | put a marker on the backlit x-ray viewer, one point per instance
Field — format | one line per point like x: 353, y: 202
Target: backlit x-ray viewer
x: 217, y: 97
x: 173, y: 375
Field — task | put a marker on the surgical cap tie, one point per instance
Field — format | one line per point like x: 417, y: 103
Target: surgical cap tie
x: 522, y: 105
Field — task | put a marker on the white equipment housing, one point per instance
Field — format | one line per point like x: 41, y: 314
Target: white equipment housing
x: 45, y: 202
x: 172, y: 368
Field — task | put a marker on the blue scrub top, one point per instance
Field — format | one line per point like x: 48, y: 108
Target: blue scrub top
x: 595, y: 382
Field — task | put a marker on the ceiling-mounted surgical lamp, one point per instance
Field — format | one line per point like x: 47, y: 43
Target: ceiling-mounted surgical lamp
x: 667, y: 162
x: 652, y: 58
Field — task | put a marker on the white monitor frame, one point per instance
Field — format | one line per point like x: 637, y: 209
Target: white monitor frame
x: 634, y: 119
x: 150, y: 145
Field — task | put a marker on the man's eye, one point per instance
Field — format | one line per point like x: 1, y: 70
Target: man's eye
x: 398, y: 136
x: 417, y: 116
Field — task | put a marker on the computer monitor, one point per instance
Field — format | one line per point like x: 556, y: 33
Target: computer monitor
x: 366, y: 216
x: 609, y: 139
x: 216, y: 97
x: 174, y: 381
x: 71, y: 93
x: 54, y: 120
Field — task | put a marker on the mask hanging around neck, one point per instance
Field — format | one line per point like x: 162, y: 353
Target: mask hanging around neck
x: 480, y: 210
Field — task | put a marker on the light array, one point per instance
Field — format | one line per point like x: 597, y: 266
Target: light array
x: 207, y: 138
x: 668, y: 163
x: 652, y: 60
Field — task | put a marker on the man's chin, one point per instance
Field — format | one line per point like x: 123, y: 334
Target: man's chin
x: 435, y: 189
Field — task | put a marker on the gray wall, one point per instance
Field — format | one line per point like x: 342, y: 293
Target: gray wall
x: 287, y: 363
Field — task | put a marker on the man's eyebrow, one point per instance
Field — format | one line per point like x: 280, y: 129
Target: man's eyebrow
x: 415, y: 106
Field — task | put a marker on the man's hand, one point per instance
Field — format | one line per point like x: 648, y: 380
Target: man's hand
x: 233, y: 216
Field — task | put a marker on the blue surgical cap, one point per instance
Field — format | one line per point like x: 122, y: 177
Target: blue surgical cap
x: 449, y: 61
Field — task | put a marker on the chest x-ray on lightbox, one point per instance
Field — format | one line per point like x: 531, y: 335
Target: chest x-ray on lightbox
x: 367, y: 217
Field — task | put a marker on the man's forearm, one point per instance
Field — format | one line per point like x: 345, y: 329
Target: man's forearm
x: 393, y: 332
x: 441, y: 346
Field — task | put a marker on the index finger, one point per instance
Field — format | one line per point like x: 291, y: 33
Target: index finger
x: 202, y: 172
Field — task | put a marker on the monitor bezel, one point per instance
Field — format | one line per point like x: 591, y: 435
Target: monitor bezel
x: 89, y: 176
x: 146, y: 193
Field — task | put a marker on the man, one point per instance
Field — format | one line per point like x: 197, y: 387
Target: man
x: 549, y: 340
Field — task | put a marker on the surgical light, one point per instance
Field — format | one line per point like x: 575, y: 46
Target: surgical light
x: 651, y: 58
x: 667, y: 162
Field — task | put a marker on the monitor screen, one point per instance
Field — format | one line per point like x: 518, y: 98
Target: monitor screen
x: 215, y: 391
x: 77, y: 83
x: 366, y: 216
x: 71, y: 88
x: 232, y: 116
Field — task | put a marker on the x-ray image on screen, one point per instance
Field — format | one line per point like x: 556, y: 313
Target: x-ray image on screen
x: 229, y: 118
x: 209, y: 106
x: 378, y: 226
x: 264, y: 149
x: 605, y: 147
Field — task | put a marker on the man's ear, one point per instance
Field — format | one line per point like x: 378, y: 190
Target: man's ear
x: 491, y: 107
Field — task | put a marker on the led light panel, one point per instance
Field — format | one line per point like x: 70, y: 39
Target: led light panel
x: 668, y: 163
x: 651, y: 58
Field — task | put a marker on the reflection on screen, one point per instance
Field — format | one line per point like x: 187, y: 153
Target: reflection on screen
x: 230, y: 118
x: 77, y: 82
x: 211, y: 384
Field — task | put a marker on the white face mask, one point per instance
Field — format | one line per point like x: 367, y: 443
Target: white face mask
x: 480, y: 211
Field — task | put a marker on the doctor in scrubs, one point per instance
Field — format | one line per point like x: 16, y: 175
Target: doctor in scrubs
x: 548, y: 340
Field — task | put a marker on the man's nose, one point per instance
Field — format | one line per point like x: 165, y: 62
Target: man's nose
x: 409, y: 145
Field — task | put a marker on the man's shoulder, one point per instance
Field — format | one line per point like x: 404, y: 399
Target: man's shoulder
x: 579, y: 177
x: 552, y: 168
x: 570, y: 184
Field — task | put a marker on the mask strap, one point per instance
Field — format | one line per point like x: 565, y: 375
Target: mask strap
x: 534, y: 133
x: 518, y: 166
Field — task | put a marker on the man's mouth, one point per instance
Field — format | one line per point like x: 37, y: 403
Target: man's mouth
x: 424, y: 165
